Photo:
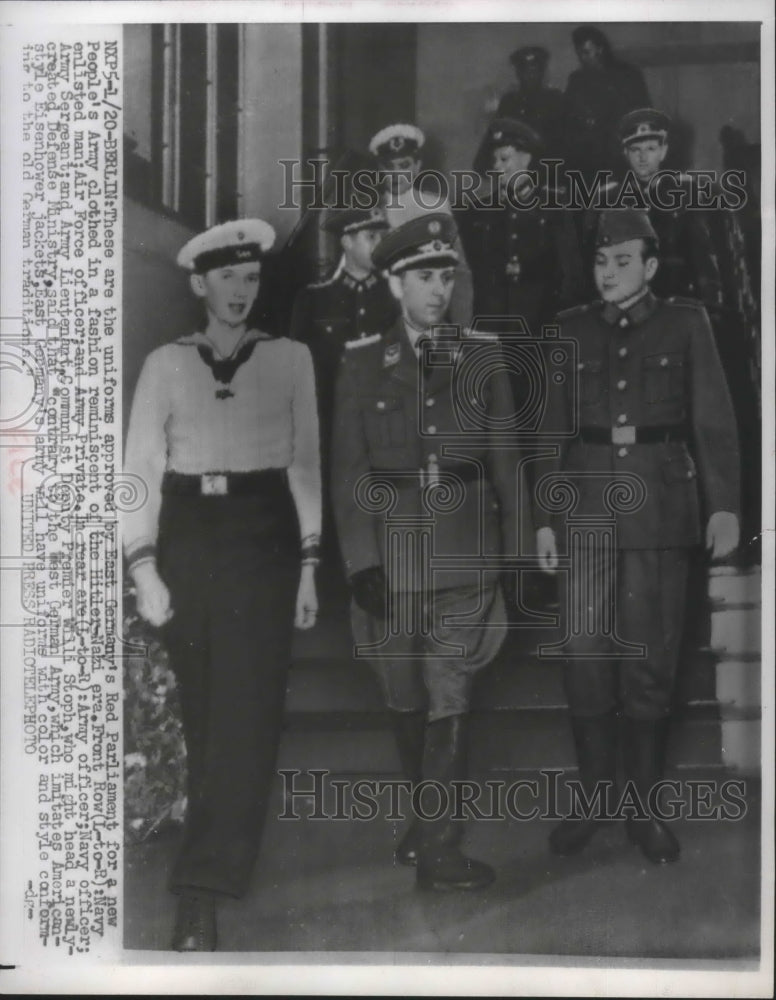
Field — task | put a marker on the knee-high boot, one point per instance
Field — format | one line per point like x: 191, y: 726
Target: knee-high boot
x: 409, y: 729
x: 644, y: 746
x: 440, y: 864
x: 595, y: 739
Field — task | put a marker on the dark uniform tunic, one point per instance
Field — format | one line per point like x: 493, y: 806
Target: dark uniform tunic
x: 545, y: 244
x: 544, y: 109
x: 392, y: 423
x: 653, y: 404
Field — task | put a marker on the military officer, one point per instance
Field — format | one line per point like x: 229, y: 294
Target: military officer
x: 408, y: 191
x: 524, y: 256
x: 395, y: 424
x: 540, y: 106
x: 653, y: 404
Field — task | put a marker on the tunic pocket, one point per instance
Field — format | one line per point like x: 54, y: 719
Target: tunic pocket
x: 663, y: 377
x: 385, y: 423
x: 591, y: 381
x: 680, y: 469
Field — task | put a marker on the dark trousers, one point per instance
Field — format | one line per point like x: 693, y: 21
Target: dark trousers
x: 645, y: 603
x: 232, y: 566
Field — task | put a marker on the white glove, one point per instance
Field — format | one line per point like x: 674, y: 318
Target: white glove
x: 153, y: 597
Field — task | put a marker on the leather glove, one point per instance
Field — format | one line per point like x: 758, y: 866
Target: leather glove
x: 370, y: 591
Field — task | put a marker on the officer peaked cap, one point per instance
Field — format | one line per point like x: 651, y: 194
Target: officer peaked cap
x: 239, y: 242
x: 643, y: 123
x: 530, y: 55
x: 618, y: 225
x: 511, y: 132
x: 352, y: 220
x: 428, y: 240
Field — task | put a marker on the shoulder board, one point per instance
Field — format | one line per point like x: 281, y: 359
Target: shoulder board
x: 351, y: 345
x: 681, y: 300
x: 578, y: 310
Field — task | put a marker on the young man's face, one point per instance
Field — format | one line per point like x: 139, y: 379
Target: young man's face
x: 645, y: 157
x: 424, y: 294
x: 358, y: 248
x: 399, y: 172
x: 229, y: 292
x: 590, y: 54
x: 620, y: 271
x: 508, y: 161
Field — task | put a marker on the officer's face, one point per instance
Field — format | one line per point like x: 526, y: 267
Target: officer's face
x: 590, y: 54
x: 358, y: 247
x: 508, y: 161
x: 229, y: 292
x: 399, y: 173
x: 621, y: 272
x: 645, y: 157
x: 424, y: 294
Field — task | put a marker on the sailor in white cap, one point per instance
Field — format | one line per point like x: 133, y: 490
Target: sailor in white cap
x: 410, y: 191
x: 223, y: 435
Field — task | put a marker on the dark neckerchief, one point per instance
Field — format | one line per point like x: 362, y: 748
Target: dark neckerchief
x: 224, y: 369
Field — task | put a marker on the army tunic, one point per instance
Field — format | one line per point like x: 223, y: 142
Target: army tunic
x: 652, y: 404
x: 405, y: 431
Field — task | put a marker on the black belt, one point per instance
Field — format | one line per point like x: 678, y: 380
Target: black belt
x: 633, y: 435
x: 217, y: 484
x: 467, y: 471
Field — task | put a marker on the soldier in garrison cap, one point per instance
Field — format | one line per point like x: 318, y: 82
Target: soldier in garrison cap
x: 524, y: 257
x: 396, y: 417
x: 223, y: 434
x: 409, y: 191
x: 540, y: 106
x: 654, y: 412
x: 353, y: 304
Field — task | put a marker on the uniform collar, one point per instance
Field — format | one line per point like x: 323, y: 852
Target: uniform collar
x: 631, y: 316
x: 353, y: 283
x: 199, y: 339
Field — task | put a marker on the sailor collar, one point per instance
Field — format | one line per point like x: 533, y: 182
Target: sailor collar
x: 631, y: 316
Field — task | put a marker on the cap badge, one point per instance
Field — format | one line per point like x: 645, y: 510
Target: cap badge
x: 498, y: 135
x: 437, y: 245
x: 240, y: 235
x: 642, y: 128
x: 396, y: 142
x: 434, y: 227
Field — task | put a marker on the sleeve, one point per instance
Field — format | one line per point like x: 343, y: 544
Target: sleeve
x: 356, y: 527
x: 145, y: 460
x: 714, y: 429
x: 304, y: 472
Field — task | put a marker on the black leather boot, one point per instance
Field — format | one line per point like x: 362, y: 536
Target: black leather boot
x: 440, y: 864
x: 645, y: 741
x: 409, y: 729
x: 595, y: 739
x: 195, y: 923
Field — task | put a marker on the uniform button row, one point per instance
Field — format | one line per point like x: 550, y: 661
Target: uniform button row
x: 430, y: 401
x: 623, y: 352
x: 621, y: 384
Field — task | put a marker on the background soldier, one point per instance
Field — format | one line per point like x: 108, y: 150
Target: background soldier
x: 354, y: 303
x: 650, y: 388
x: 540, y: 106
x: 525, y: 260
x: 598, y: 94
x: 380, y: 394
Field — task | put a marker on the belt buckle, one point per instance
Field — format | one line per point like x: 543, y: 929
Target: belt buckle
x: 624, y: 435
x: 214, y: 484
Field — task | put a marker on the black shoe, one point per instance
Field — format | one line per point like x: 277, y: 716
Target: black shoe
x: 195, y: 924
x: 645, y: 741
x: 445, y: 868
x: 655, y: 840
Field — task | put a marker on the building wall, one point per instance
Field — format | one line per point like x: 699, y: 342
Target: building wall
x: 464, y: 68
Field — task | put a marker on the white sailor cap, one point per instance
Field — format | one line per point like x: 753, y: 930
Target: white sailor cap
x: 238, y: 242
x: 396, y: 140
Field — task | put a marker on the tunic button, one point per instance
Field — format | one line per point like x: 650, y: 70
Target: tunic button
x: 328, y: 329
x: 622, y: 418
x: 430, y: 401
x: 624, y: 321
x: 431, y: 429
x: 380, y: 404
x: 623, y: 352
x: 622, y: 452
x: 361, y: 312
x: 621, y: 384
x: 664, y: 362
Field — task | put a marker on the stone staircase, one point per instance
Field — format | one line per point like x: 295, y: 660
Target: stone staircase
x: 335, y: 720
